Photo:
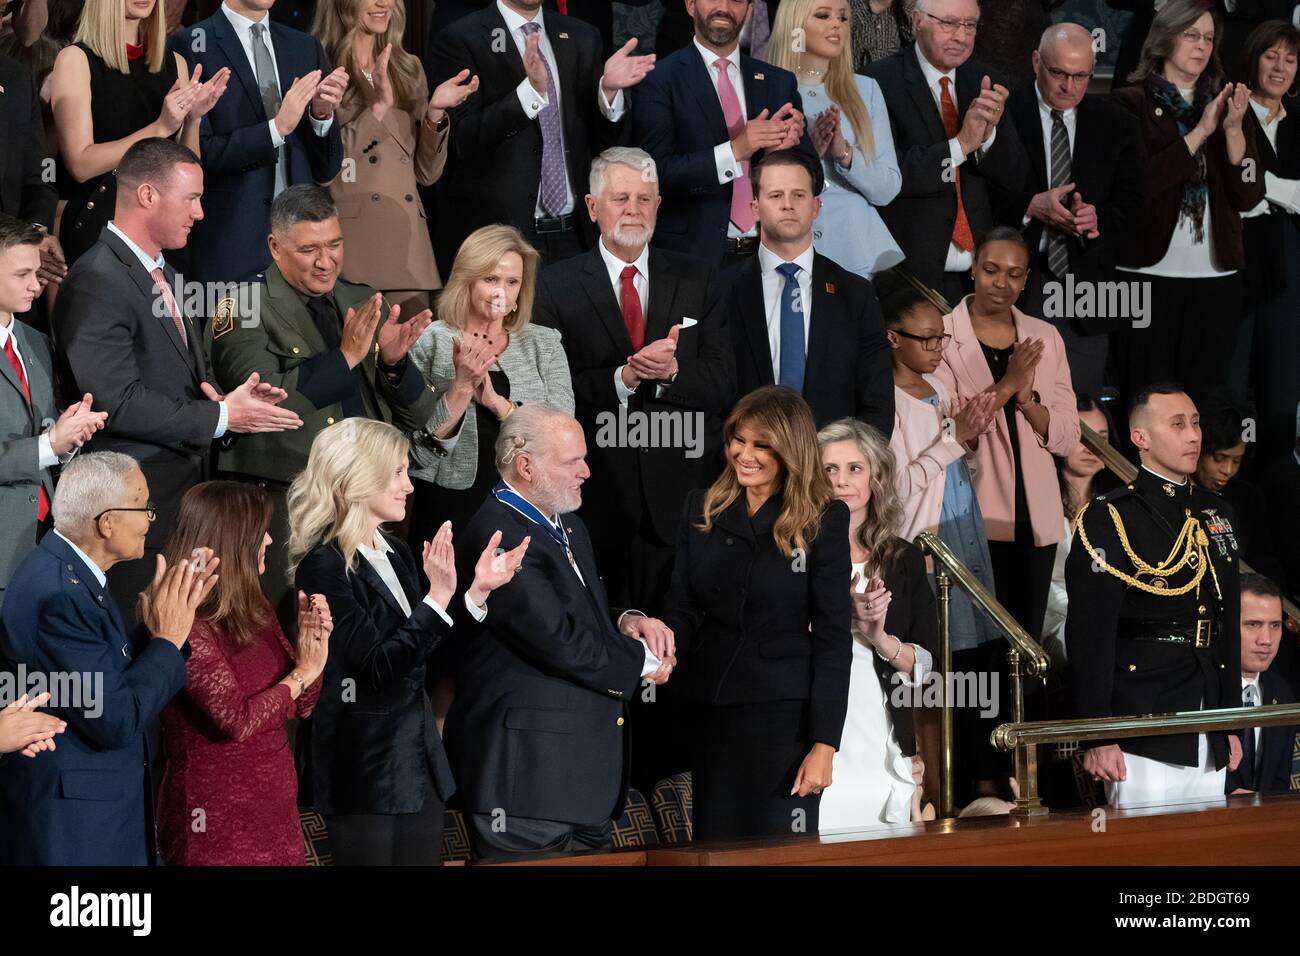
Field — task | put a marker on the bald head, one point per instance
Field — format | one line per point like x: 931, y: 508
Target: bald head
x: 1063, y: 65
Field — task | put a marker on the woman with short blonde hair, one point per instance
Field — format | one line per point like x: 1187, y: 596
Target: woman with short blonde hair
x: 374, y: 711
x: 115, y: 85
x: 760, y: 617
x: 484, y: 357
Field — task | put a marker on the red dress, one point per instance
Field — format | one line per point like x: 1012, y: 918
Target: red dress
x: 229, y: 793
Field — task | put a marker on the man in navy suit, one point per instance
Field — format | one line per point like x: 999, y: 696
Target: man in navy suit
x: 706, y: 113
x: 1265, y: 751
x: 536, y: 734
x: 85, y: 803
x: 272, y: 128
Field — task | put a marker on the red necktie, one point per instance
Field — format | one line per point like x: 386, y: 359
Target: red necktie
x: 160, y: 281
x: 961, y: 235
x: 563, y: 5
x: 43, y: 500
x: 632, y: 317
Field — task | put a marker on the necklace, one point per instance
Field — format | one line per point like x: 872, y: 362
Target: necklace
x: 811, y: 74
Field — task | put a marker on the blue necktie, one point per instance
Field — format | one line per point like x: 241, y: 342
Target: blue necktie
x: 790, y: 373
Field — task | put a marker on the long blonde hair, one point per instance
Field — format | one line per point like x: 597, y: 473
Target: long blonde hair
x: 349, y: 461
x: 103, y: 28
x: 878, y: 533
x: 477, y: 259
x: 841, y: 87
x: 786, y: 421
x: 338, y: 24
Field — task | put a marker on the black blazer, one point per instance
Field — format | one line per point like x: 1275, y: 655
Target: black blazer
x: 495, y: 163
x: 1267, y: 270
x: 122, y: 346
x: 753, y: 625
x: 1276, y: 744
x: 24, y: 191
x: 848, y: 372
x: 577, y: 298
x: 678, y: 120
x: 913, y: 618
x: 373, y: 739
x: 1167, y: 168
x: 239, y: 161
x: 921, y: 217
x: 538, y: 724
x: 1106, y: 168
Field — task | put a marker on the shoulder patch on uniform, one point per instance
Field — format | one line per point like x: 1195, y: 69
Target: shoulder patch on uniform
x: 223, y: 320
x: 1114, y: 494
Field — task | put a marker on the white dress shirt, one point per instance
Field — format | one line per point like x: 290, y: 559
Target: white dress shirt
x: 45, y: 457
x: 1070, y: 118
x: 151, y: 264
x: 773, y: 285
x: 95, y: 569
x: 383, y: 565
x: 959, y: 260
x: 1259, y: 700
x: 533, y: 102
x: 641, y: 281
x: 724, y: 160
x: 242, y: 25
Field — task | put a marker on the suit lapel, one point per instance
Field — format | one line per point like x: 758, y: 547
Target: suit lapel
x: 922, y: 98
x: 292, y: 311
x: 595, y: 280
x: 153, y: 298
x: 38, y: 383
x: 78, y: 572
x: 286, y: 71
x: 1024, y: 108
x: 367, y: 572
x: 754, y: 78
x: 238, y: 61
x: 510, y: 56
x: 825, y: 317
x: 753, y: 317
x: 663, y: 291
x: 698, y: 81
x: 11, y: 374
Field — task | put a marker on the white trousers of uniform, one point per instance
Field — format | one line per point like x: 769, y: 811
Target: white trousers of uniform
x: 1153, y: 782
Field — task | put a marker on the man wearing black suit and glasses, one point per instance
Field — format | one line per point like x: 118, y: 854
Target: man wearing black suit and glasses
x: 546, y: 102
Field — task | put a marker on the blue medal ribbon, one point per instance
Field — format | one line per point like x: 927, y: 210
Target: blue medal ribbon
x: 512, y: 499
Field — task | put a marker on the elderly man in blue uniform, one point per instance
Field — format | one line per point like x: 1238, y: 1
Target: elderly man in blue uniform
x: 1154, y: 613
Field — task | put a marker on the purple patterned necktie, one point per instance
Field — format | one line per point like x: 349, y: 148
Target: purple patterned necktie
x: 555, y: 180
x: 760, y: 30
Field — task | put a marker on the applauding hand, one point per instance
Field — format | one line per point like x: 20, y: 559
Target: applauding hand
x: 496, y: 567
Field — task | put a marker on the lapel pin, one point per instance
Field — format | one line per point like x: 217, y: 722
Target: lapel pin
x: 830, y: 288
x: 1159, y: 111
x: 759, y: 76
x: 564, y: 36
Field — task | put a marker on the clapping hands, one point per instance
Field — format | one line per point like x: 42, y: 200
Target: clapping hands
x: 23, y: 730
x: 658, y: 637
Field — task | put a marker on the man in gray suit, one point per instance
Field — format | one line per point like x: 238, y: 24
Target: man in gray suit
x: 128, y: 339
x: 31, y: 443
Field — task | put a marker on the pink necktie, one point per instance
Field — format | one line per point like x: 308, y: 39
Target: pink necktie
x: 165, y: 290
x: 741, y: 192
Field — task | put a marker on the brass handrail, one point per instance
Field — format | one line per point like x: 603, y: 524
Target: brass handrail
x: 1126, y: 471
x: 1033, y: 732
x: 1036, y: 662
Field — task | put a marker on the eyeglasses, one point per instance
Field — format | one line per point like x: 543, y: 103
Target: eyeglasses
x: 931, y: 343
x: 953, y: 26
x: 1062, y: 77
x: 1196, y: 36
x: 150, y: 509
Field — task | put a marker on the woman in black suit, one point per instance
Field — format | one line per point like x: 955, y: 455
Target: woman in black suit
x: 377, y: 766
x: 761, y: 620
x: 1272, y: 234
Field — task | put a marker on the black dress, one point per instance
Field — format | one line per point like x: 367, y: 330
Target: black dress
x: 435, y: 504
x: 120, y: 104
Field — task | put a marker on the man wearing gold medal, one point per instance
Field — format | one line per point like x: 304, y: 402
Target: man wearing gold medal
x: 1154, y: 612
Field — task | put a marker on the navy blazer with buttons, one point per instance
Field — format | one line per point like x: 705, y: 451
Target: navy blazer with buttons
x: 1276, y: 744
x: 84, y: 803
x: 374, y: 744
x: 677, y: 119
x: 754, y: 625
x: 229, y: 244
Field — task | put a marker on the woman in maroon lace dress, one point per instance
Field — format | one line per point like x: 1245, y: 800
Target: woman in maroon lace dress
x: 229, y: 794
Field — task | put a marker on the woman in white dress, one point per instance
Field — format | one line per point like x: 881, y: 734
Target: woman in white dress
x: 894, y: 636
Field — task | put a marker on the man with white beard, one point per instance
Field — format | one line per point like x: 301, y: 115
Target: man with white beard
x: 537, y: 733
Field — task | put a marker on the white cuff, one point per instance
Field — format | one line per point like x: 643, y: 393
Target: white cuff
x: 923, y: 665
x: 1282, y: 192
x: 652, y: 663
x: 612, y: 109
x: 620, y: 387
x: 441, y: 613
x: 477, y: 613
x: 985, y: 146
x: 532, y: 101
x: 320, y: 127
x: 728, y: 167
x: 45, y: 457
x: 223, y: 420
x: 276, y: 139
x: 955, y: 153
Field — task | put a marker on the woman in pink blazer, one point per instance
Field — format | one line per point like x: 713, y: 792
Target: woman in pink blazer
x: 997, y: 348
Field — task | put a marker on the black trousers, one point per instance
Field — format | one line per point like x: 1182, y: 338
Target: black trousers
x: 557, y: 246
x: 974, y: 756
x: 389, y: 839
x: 1193, y: 329
x: 513, y: 836
x: 1022, y: 578
x: 1085, y: 353
x: 743, y: 765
